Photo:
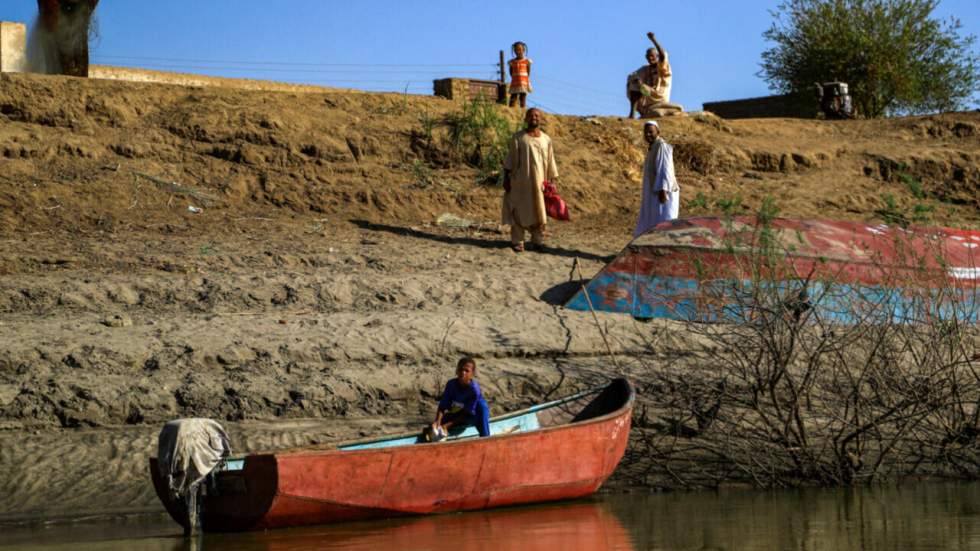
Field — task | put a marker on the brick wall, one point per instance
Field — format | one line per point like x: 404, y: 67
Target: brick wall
x: 469, y: 88
x: 797, y: 106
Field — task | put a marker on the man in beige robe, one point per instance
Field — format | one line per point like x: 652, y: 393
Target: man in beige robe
x: 530, y: 161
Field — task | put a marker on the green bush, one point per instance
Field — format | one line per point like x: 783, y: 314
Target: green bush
x: 914, y: 185
x: 890, y: 213
x: 700, y: 201
x: 729, y: 206
x: 895, y: 55
x: 422, y: 175
x: 922, y: 214
x: 479, y: 135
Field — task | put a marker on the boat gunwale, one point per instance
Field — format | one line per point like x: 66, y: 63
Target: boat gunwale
x: 842, y: 259
x: 336, y: 448
x: 926, y: 233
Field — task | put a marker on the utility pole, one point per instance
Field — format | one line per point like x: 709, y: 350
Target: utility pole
x: 502, y: 87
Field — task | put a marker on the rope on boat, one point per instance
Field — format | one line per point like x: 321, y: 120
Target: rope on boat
x: 588, y: 299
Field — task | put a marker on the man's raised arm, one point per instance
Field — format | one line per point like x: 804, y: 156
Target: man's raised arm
x: 660, y: 49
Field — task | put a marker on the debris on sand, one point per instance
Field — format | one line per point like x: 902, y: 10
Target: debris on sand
x: 448, y: 220
x: 118, y: 320
x: 174, y: 187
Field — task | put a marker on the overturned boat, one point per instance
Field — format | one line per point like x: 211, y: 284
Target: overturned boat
x: 563, y: 449
x: 708, y: 269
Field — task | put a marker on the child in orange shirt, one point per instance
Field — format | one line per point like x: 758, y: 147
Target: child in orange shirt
x: 520, y: 75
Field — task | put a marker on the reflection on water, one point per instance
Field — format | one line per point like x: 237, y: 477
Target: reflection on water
x: 916, y: 516
x: 919, y: 516
x: 548, y: 528
x: 579, y: 525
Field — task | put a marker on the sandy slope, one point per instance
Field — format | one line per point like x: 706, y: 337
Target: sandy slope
x: 71, y: 148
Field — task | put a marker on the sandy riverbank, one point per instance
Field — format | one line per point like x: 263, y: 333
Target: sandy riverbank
x: 314, y: 298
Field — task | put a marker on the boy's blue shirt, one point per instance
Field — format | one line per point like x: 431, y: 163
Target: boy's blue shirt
x: 457, y: 397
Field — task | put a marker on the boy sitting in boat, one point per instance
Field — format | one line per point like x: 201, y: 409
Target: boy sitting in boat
x: 462, y: 404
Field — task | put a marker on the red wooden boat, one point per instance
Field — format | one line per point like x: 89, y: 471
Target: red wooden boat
x: 560, y: 450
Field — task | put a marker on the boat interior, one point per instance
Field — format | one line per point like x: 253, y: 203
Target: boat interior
x: 577, y: 408
x: 573, y: 409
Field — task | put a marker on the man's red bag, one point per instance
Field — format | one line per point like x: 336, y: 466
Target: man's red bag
x: 553, y: 203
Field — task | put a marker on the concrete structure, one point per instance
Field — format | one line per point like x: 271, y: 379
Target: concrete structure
x: 134, y: 74
x: 13, y: 59
x: 466, y: 89
x: 13, y: 47
x: 788, y: 105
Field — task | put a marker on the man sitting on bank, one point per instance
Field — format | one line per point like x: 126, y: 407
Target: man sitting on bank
x: 648, y: 88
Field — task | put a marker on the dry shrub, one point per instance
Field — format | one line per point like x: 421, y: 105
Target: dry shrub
x: 695, y: 156
x: 804, y: 379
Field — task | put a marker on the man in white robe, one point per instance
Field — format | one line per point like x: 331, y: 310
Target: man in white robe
x: 661, y: 195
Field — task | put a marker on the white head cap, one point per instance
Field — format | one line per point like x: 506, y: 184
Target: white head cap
x: 652, y: 123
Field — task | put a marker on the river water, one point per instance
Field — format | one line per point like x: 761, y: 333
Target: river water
x: 912, y: 516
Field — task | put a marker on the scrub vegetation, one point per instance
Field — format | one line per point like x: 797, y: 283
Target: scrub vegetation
x: 479, y: 134
x: 804, y: 379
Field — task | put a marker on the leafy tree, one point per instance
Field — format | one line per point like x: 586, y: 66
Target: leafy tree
x: 893, y: 54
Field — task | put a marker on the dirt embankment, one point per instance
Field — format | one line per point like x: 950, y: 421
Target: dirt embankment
x: 313, y: 298
x: 70, y: 149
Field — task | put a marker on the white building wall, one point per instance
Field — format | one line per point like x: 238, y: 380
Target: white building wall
x: 13, y: 47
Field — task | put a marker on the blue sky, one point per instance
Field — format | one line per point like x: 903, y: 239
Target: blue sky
x: 582, y: 50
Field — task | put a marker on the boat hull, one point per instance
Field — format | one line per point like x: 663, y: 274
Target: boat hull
x: 323, y: 486
x: 663, y: 273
